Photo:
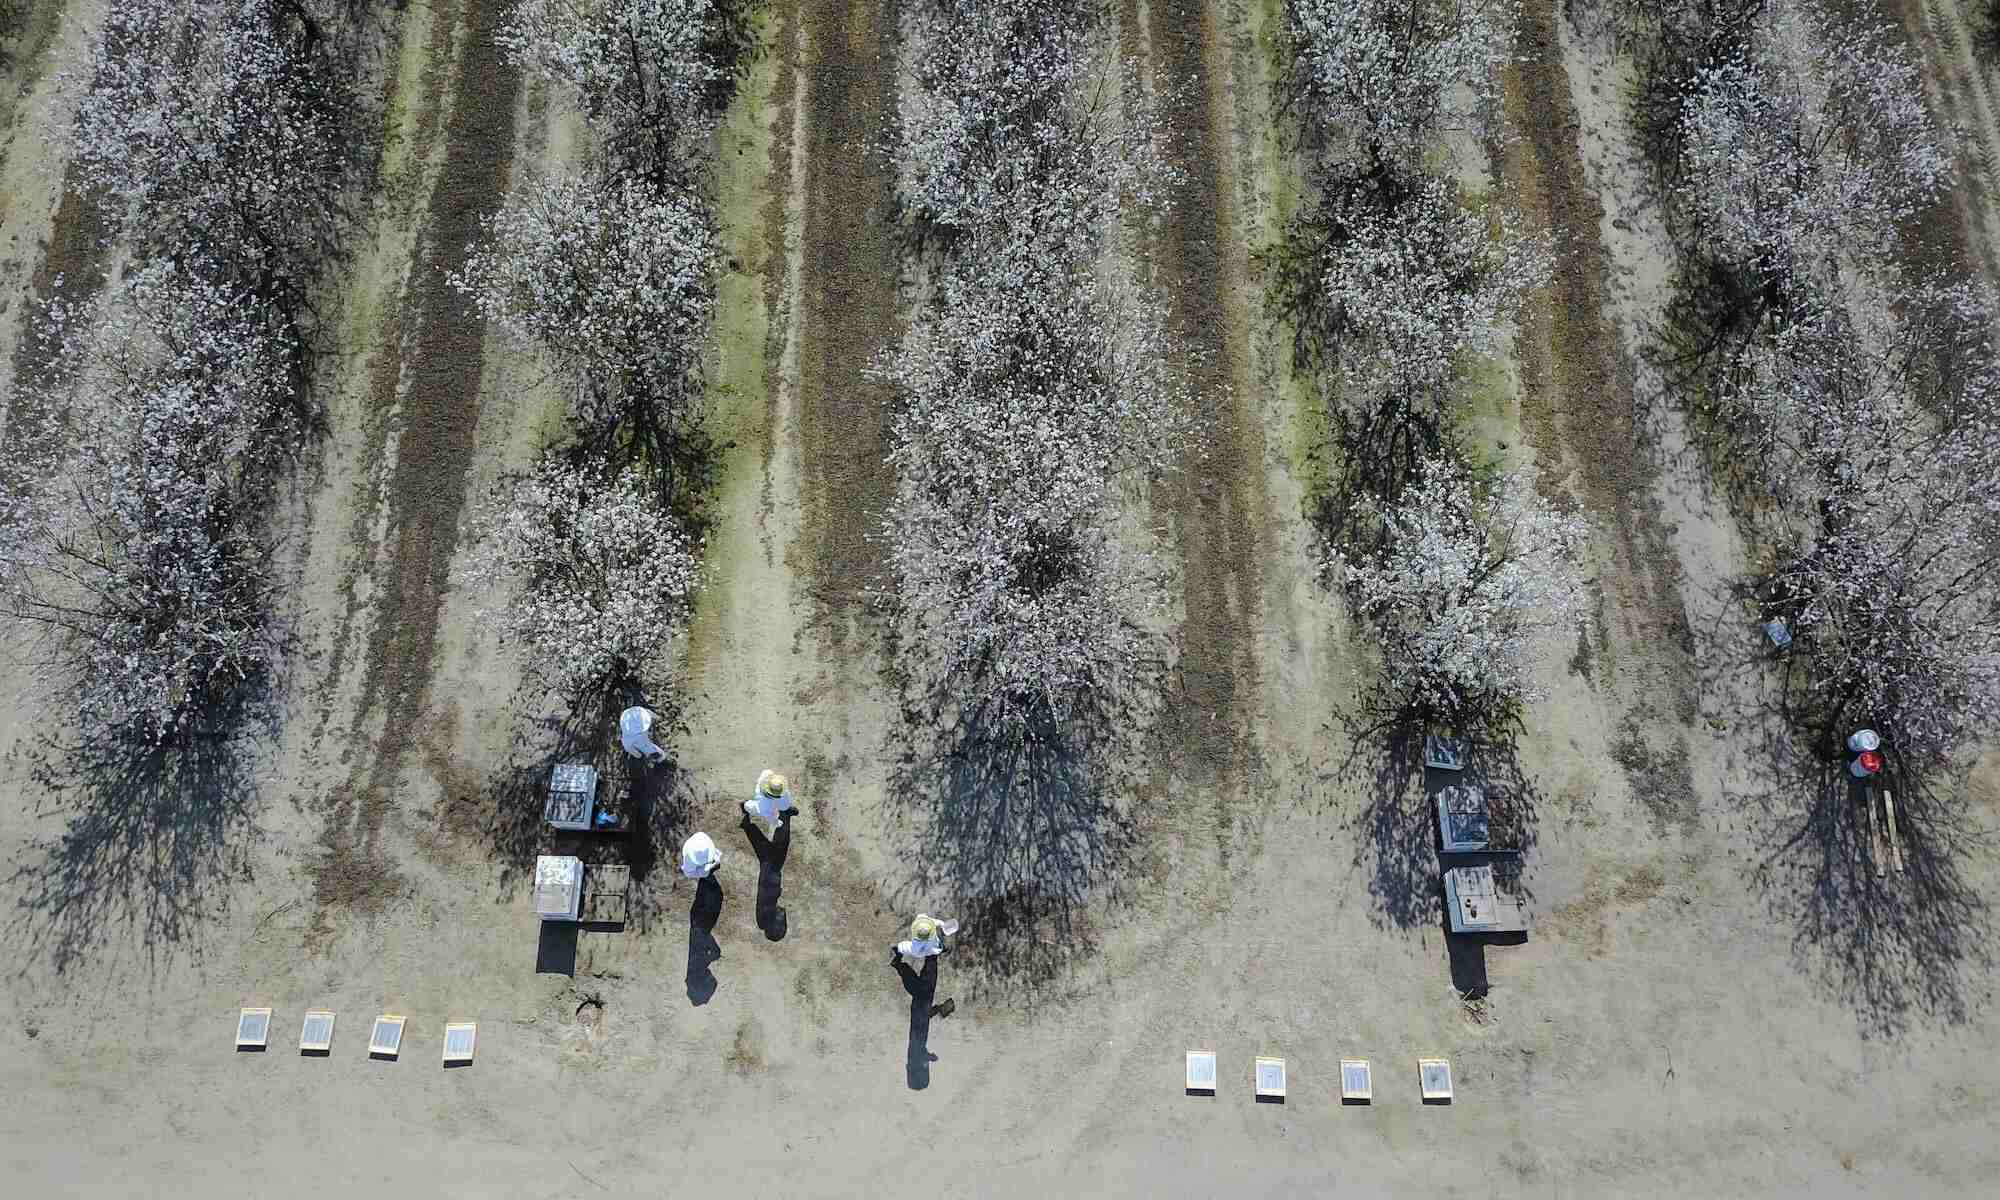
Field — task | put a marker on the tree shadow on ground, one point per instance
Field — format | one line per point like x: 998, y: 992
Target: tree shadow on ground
x: 156, y: 835
x: 1017, y: 833
x: 508, y: 818
x: 1398, y: 844
x: 1897, y: 947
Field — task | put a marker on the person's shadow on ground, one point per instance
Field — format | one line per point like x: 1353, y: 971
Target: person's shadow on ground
x: 771, y: 852
x: 922, y: 986
x: 702, y: 947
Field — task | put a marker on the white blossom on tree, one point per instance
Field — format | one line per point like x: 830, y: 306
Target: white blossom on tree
x: 1834, y: 390
x: 136, y: 474
x: 217, y: 126
x: 1016, y: 105
x: 1029, y: 385
x: 647, y: 72
x: 1468, y: 582
x: 1406, y: 283
x: 1876, y: 434
x: 1893, y: 614
x: 1382, y: 76
x: 613, y: 281
x: 596, y: 575
x: 1027, y: 390
x: 1808, y: 147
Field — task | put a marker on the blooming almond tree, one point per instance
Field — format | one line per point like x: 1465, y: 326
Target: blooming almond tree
x: 1807, y: 148
x: 136, y: 475
x: 1403, y: 283
x: 219, y: 120
x: 596, y: 574
x: 1015, y: 104
x: 1028, y: 384
x: 650, y: 73
x: 1027, y: 389
x: 1468, y: 581
x: 615, y: 283
x: 1876, y: 433
x: 1878, y: 387
x: 1893, y: 613
x: 1380, y: 76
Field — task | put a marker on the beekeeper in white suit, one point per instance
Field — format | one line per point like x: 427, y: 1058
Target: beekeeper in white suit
x: 926, y: 940
x: 699, y: 857
x: 633, y: 725
x: 770, y: 802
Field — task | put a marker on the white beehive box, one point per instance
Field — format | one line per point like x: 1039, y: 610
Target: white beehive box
x: 316, y: 1034
x: 558, y: 887
x: 1201, y: 1070
x: 1270, y: 1078
x: 253, y: 1028
x: 459, y: 1040
x: 386, y: 1039
x: 1357, y: 1085
x: 1476, y: 904
x: 1434, y: 1079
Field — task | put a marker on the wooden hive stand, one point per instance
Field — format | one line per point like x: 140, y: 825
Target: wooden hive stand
x: 606, y: 887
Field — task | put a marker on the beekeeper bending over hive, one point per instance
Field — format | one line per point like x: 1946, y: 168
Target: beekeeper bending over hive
x: 770, y: 802
x: 633, y: 725
x: 699, y: 857
x: 926, y: 940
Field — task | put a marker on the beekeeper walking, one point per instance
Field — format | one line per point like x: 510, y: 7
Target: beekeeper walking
x: 699, y: 857
x: 633, y: 726
x: 926, y: 940
x: 770, y: 802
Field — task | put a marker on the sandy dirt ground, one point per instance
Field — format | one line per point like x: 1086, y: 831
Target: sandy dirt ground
x: 1682, y: 1021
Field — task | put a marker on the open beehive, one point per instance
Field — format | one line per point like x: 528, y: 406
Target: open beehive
x: 572, y: 794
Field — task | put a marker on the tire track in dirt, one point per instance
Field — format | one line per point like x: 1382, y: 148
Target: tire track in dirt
x: 1216, y: 503
x: 847, y: 305
x: 432, y: 358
